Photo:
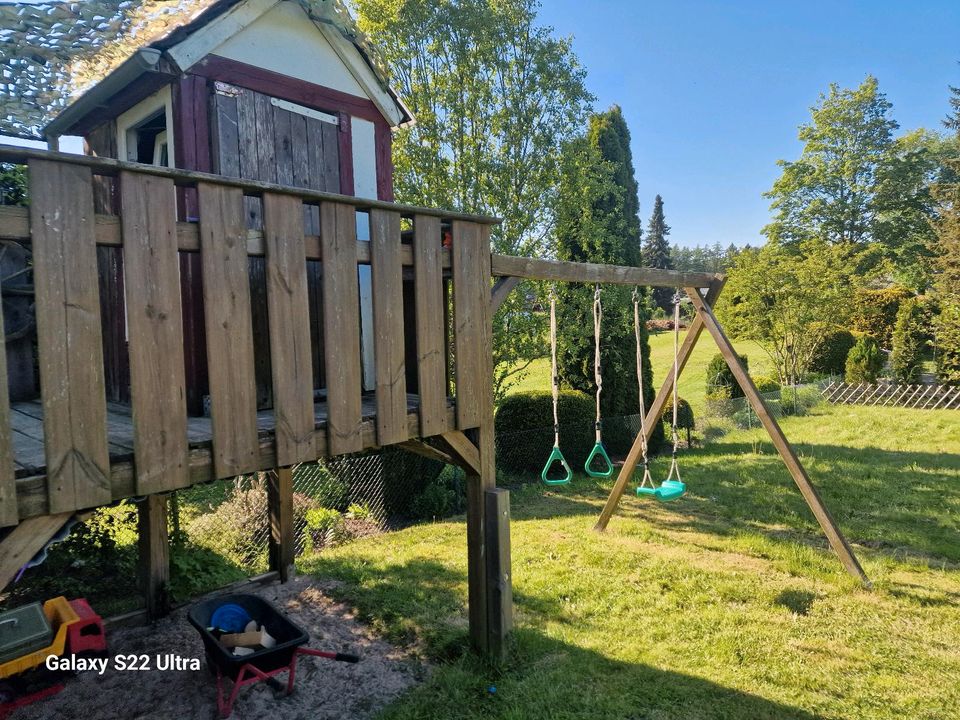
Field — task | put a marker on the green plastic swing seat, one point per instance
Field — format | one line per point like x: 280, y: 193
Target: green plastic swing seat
x: 555, y: 457
x: 668, y: 490
x: 601, y: 452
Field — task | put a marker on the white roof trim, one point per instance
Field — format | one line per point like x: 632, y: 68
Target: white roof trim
x: 201, y: 43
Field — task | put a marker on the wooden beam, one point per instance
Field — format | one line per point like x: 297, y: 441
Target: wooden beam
x: 462, y: 450
x: 25, y: 541
x: 501, y: 291
x: 564, y: 271
x: 499, y: 580
x: 8, y: 483
x: 280, y: 507
x: 835, y: 537
x: 154, y: 545
x: 423, y: 449
x: 189, y: 178
x: 653, y: 414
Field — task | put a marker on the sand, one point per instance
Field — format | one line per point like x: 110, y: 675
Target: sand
x: 324, y: 689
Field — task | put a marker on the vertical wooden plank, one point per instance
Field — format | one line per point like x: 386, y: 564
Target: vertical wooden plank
x: 387, y: 281
x: 265, y: 138
x: 331, y: 157
x: 471, y: 300
x: 226, y: 302
x: 68, y: 336
x: 283, y: 145
x: 341, y: 326
x: 430, y: 330
x: 280, y: 504
x: 499, y: 578
x: 154, y: 551
x: 289, y: 328
x: 8, y: 484
x: 249, y: 161
x: 654, y: 412
x: 829, y: 526
x: 154, y: 320
x: 225, y: 145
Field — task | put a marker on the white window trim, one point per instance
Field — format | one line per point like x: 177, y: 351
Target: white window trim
x: 128, y: 121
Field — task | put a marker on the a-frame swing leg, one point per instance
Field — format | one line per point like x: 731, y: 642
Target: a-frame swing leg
x: 653, y: 414
x: 836, y: 539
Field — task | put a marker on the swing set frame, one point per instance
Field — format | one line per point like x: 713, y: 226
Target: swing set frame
x: 510, y: 270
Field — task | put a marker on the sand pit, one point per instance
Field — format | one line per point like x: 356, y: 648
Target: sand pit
x: 324, y: 689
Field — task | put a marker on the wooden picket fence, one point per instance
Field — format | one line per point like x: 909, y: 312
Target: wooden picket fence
x: 923, y: 397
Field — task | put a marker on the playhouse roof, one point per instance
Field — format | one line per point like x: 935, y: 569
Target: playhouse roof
x: 52, y: 52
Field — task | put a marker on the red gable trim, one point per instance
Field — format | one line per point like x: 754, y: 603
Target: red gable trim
x: 286, y: 88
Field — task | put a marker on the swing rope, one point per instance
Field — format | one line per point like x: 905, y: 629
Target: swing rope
x: 598, y: 449
x: 555, y: 454
x: 674, y: 467
x: 647, y: 480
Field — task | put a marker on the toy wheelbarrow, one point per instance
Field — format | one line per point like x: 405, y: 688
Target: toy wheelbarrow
x: 260, y: 665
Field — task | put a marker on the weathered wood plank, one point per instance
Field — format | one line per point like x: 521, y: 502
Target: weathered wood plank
x: 430, y: 330
x: 341, y: 325
x: 8, y: 483
x: 25, y: 541
x: 154, y: 552
x: 499, y: 578
x: 471, y: 302
x: 829, y: 526
x: 289, y: 329
x: 654, y: 413
x: 69, y: 336
x: 226, y: 298
x: 280, y: 505
x: 154, y: 319
x: 565, y: 271
x: 387, y: 283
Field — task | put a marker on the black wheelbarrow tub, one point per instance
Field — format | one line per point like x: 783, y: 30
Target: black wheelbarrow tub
x: 289, y: 635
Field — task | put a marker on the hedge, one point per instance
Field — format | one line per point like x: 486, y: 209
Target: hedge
x: 524, y: 429
x: 721, y: 384
x: 831, y: 356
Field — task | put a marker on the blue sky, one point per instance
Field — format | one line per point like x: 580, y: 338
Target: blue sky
x: 713, y: 92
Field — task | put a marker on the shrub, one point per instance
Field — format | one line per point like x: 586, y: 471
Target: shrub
x: 321, y: 528
x: 864, y: 362
x: 524, y: 428
x: 948, y: 344
x: 830, y: 357
x: 324, y: 486
x: 907, y: 355
x: 685, y: 418
x: 719, y: 376
x: 767, y: 384
x: 875, y: 311
x: 237, y: 529
x: 446, y: 495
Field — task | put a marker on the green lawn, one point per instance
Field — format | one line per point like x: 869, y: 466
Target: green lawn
x: 726, y: 604
x: 692, y: 380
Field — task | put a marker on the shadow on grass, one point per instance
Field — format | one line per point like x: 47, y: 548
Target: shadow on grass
x: 420, y: 602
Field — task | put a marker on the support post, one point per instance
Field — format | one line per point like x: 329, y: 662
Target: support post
x: 154, y: 545
x: 654, y: 413
x: 280, y: 504
x: 836, y: 539
x: 499, y: 580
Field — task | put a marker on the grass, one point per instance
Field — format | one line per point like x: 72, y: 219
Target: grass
x: 692, y: 380
x: 726, y: 604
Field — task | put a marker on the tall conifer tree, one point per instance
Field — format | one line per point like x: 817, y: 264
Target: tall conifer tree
x: 656, y: 251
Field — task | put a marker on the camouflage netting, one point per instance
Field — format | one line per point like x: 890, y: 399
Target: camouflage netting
x: 51, y: 52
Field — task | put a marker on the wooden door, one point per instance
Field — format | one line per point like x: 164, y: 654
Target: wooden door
x: 257, y: 137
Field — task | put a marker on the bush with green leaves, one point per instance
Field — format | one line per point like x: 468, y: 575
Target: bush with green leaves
x: 948, y: 344
x: 321, y: 527
x: 446, y: 495
x: 237, y: 527
x: 524, y: 428
x: 875, y: 311
x: 685, y: 419
x: 830, y: 357
x: 767, y: 385
x: 324, y: 485
x: 865, y: 361
x: 721, y: 384
x: 906, y: 358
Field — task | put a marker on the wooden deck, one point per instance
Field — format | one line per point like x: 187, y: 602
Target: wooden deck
x: 28, y: 436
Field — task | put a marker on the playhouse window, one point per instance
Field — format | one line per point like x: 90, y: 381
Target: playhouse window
x: 147, y: 141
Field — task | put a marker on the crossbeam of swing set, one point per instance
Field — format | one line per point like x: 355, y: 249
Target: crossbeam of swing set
x: 692, y: 283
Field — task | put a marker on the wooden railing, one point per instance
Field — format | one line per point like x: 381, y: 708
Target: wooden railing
x: 63, y: 230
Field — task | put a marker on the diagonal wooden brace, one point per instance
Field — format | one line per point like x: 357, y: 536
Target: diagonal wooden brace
x: 836, y: 539
x: 655, y: 411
